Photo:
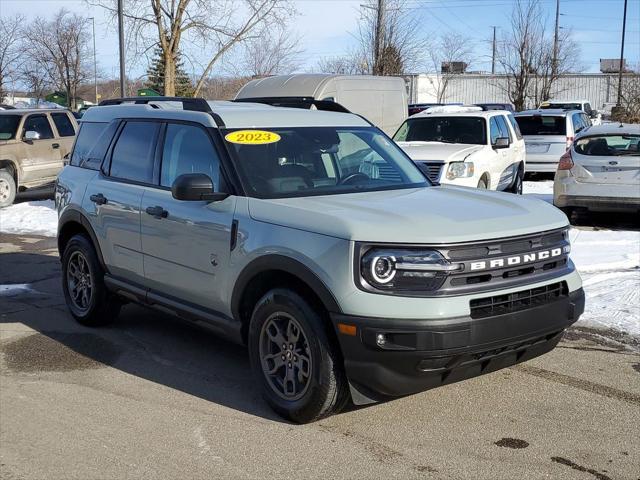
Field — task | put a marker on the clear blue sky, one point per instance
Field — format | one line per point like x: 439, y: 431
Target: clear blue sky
x: 326, y: 26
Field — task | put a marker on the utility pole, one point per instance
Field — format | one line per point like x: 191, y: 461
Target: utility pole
x: 121, y: 44
x: 554, y: 61
x: 624, y: 26
x: 493, y: 54
x: 379, y: 39
x: 95, y: 63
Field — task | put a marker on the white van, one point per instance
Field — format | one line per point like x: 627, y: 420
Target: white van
x: 381, y: 100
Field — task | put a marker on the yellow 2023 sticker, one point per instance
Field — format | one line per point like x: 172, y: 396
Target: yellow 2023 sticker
x: 252, y: 137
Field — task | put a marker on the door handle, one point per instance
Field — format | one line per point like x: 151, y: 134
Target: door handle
x: 157, y: 212
x: 55, y: 145
x: 98, y: 199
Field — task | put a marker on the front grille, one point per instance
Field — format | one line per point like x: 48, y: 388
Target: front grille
x: 431, y: 170
x: 517, y: 301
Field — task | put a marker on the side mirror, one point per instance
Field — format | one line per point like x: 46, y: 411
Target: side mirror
x: 501, y: 142
x: 195, y: 186
x: 30, y: 136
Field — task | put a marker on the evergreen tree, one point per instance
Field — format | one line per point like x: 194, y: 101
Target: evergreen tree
x: 155, y: 76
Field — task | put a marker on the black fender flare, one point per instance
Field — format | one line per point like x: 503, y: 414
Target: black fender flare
x: 284, y: 264
x: 76, y: 216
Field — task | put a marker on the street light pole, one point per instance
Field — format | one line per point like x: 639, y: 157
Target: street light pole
x: 121, y: 44
x: 95, y: 63
x: 624, y: 26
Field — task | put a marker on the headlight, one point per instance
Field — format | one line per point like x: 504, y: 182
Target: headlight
x: 460, y: 170
x: 405, y: 270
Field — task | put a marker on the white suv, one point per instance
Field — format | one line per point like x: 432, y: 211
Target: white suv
x: 466, y: 146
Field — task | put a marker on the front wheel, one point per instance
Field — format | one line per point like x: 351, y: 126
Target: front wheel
x: 482, y: 184
x: 517, y: 183
x: 295, y: 360
x: 7, y: 188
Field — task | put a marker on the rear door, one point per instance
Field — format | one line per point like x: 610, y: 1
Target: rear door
x: 186, y: 249
x: 113, y: 198
x: 42, y: 158
x: 612, y: 159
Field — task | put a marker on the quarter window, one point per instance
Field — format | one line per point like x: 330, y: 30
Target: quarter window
x: 39, y: 124
x: 133, y: 154
x: 63, y: 124
x: 188, y: 149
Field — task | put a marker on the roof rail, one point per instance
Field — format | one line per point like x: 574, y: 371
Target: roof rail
x: 297, y: 102
x: 188, y: 103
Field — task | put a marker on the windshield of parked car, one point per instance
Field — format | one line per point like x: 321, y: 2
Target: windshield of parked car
x: 561, y: 106
x: 304, y: 161
x: 8, y: 126
x: 542, y: 125
x: 608, y: 145
x: 468, y: 130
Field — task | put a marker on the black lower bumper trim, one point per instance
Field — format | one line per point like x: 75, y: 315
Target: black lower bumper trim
x: 394, y: 357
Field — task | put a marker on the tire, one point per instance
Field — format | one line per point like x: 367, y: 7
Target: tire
x: 482, y: 184
x: 284, y: 316
x: 94, y: 306
x: 516, y: 188
x: 7, y: 188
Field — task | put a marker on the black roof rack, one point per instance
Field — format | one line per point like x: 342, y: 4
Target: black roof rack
x: 188, y: 103
x: 297, y: 102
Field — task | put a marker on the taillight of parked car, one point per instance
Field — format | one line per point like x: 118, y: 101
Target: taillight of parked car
x: 569, y: 142
x: 566, y: 162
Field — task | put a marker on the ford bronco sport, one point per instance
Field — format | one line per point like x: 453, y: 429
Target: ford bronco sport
x: 309, y: 236
x: 33, y: 144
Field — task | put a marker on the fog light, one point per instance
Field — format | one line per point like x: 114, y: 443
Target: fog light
x: 381, y: 340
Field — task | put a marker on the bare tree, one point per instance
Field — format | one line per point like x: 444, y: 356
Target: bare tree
x: 60, y: 46
x: 444, y: 53
x: 526, y: 55
x: 275, y: 50
x: 10, y: 37
x: 35, y: 78
x: 211, y: 26
x: 348, y: 64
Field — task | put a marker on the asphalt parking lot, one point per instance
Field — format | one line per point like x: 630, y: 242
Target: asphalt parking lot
x: 151, y: 397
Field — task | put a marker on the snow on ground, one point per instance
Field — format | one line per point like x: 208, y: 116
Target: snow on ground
x: 608, y: 260
x: 31, y: 218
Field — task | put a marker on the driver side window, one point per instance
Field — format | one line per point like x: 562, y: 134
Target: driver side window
x: 494, y: 130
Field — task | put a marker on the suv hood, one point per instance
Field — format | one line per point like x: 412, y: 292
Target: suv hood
x: 440, y: 152
x: 429, y: 215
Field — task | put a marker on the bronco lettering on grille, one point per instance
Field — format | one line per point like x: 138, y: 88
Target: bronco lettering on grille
x: 516, y: 259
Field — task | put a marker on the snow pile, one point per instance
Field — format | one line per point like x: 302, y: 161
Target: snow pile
x: 30, y: 218
x: 542, y: 190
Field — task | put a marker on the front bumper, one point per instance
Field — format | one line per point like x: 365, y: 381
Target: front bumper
x: 423, y: 354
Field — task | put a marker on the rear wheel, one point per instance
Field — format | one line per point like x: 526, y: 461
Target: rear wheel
x: 83, y: 284
x: 7, y: 188
x: 294, y: 358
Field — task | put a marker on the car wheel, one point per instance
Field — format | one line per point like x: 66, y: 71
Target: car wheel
x: 83, y: 284
x: 7, y: 188
x: 482, y: 184
x: 517, y: 183
x: 295, y: 360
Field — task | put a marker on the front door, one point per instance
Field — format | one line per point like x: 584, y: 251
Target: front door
x: 186, y: 244
x: 42, y: 158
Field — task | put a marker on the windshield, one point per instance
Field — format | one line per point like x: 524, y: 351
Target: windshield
x: 469, y: 130
x: 608, y: 145
x: 8, y: 126
x: 295, y: 162
x: 542, y: 125
x: 561, y: 106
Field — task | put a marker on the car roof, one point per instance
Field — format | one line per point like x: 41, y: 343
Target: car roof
x: 557, y: 100
x: 556, y: 112
x: 612, y: 128
x: 458, y: 111
x: 20, y: 111
x: 232, y: 114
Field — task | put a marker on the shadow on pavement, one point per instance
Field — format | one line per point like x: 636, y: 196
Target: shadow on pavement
x: 141, y: 342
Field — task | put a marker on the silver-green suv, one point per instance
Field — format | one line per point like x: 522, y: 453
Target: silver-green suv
x: 309, y: 236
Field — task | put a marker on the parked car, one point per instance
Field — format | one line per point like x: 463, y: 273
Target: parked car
x: 4, y: 106
x: 313, y: 239
x: 584, y: 105
x: 33, y: 144
x: 496, y: 106
x: 420, y: 107
x: 466, y: 146
x: 381, y: 100
x: 548, y: 134
x: 601, y: 170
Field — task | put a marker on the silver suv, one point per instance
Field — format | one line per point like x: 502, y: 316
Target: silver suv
x: 310, y: 237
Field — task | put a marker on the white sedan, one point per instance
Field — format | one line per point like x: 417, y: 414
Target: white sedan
x: 601, y: 170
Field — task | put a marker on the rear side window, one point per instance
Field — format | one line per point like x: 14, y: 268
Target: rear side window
x: 63, y: 124
x: 133, y: 154
x: 39, y: 124
x: 514, y: 124
x: 542, y: 125
x: 91, y: 144
x: 188, y: 149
